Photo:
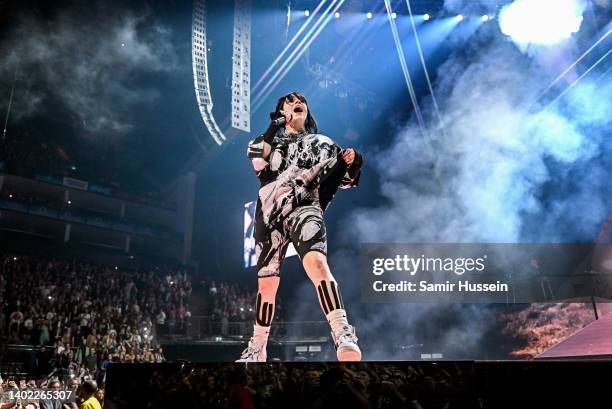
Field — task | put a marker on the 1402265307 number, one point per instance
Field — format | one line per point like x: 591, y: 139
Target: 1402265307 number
x: 40, y: 394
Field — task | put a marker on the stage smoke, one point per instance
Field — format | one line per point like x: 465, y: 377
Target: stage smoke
x: 87, y: 64
x: 503, y: 170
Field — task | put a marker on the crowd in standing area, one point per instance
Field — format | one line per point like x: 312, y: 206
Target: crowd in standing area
x: 87, y: 315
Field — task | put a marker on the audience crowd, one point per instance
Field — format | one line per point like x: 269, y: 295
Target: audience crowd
x: 306, y: 385
x: 88, y: 315
x: 52, y: 393
x: 230, y: 308
x: 230, y: 300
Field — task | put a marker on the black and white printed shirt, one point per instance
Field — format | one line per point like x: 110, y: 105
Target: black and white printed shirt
x: 301, y: 169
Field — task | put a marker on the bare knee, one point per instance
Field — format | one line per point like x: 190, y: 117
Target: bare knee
x: 315, y: 264
x: 268, y: 285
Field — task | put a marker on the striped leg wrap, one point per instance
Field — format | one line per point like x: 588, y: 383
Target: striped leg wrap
x: 263, y: 312
x: 329, y: 296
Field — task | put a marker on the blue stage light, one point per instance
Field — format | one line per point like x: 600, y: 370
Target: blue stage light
x: 393, y: 15
x: 459, y: 17
x: 369, y: 15
x: 426, y: 17
x: 337, y: 15
x: 307, y: 13
x: 485, y: 18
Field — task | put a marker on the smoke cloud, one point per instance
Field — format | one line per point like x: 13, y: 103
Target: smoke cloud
x: 86, y: 58
x: 480, y: 178
x: 502, y: 169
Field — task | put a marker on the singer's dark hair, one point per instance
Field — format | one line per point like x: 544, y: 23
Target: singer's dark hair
x: 310, y: 124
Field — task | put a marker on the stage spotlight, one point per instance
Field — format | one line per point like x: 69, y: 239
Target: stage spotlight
x: 426, y: 17
x: 337, y: 15
x: 307, y: 13
x: 485, y: 18
x: 369, y: 15
x: 393, y: 15
x: 541, y: 22
x: 459, y: 17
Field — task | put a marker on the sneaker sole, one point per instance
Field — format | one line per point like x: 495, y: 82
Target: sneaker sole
x: 348, y: 355
x: 251, y: 360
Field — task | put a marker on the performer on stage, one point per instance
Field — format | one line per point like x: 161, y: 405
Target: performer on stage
x: 300, y: 170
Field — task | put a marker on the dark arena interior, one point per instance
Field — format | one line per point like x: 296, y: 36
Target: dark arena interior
x: 305, y: 203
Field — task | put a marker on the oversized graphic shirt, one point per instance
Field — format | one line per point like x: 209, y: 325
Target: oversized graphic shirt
x: 301, y: 169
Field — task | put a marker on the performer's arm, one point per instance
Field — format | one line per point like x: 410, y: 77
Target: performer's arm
x: 259, y: 150
x: 354, y: 160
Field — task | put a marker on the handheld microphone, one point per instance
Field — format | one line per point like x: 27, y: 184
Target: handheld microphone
x: 279, y: 121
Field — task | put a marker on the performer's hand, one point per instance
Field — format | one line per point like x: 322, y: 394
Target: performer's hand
x: 288, y: 117
x: 348, y: 155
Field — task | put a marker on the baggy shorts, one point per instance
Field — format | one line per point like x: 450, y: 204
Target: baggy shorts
x: 304, y: 227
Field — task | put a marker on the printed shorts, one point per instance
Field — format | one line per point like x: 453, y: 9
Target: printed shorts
x: 304, y: 227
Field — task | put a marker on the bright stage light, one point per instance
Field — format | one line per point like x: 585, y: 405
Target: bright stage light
x: 369, y: 15
x: 485, y: 18
x: 337, y: 15
x: 393, y: 15
x: 307, y: 13
x: 459, y: 17
x: 426, y: 17
x: 542, y: 22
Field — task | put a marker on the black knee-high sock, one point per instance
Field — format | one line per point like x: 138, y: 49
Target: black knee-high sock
x: 329, y: 296
x: 264, y: 313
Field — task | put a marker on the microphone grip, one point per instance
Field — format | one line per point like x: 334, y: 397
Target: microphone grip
x: 270, y: 133
x: 279, y: 121
x: 275, y: 124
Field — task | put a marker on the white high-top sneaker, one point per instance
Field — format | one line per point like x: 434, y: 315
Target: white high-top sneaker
x: 253, y: 353
x: 344, y: 336
x: 345, y: 342
x: 256, y: 350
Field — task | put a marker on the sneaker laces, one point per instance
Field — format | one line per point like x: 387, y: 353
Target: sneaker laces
x: 345, y: 334
x: 252, y: 349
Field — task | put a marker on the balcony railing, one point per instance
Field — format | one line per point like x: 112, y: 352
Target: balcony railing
x: 207, y: 328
